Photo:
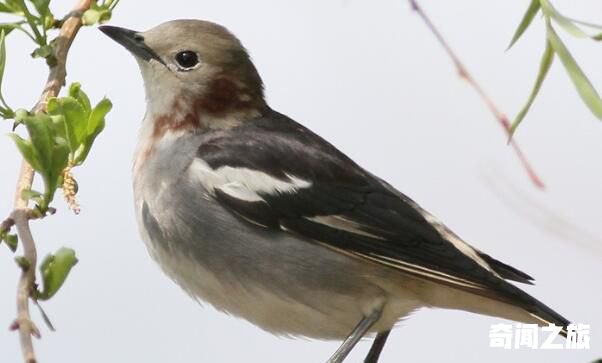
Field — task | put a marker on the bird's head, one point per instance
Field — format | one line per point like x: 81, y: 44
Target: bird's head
x: 196, y: 74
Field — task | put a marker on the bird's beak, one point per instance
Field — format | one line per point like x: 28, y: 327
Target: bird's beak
x: 132, y: 41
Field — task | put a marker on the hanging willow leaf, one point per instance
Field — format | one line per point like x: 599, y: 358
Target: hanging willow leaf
x: 525, y: 22
x: 568, y: 24
x: 544, y: 66
x: 586, y: 90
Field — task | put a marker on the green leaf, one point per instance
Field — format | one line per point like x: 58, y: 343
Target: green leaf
x: 2, y: 54
x: 81, y: 122
x: 54, y: 271
x: 9, y: 27
x: 98, y: 114
x: 53, y: 175
x: 96, y: 124
x: 53, y: 106
x: 41, y: 138
x: 5, y: 8
x: 26, y: 150
x: 568, y: 24
x: 525, y: 22
x: 76, y: 92
x: 42, y: 52
x: 29, y: 194
x: 49, y: 21
x: 16, y: 6
x: 21, y: 115
x: 586, y: 90
x: 60, y: 158
x: 74, y: 115
x: 12, y: 241
x: 111, y: 4
x: 586, y: 24
x: 550, y: 11
x: 58, y: 127
x: 49, y: 153
x: 2, y: 66
x: 41, y: 7
x: 76, y: 120
x: 544, y: 66
x: 105, y: 16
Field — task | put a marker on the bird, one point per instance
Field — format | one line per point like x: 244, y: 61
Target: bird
x: 253, y: 213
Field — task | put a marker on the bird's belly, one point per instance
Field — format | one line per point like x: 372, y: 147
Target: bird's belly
x: 296, y: 311
x: 278, y: 282
x: 265, y: 308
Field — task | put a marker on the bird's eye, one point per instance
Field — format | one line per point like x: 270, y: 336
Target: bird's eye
x: 187, y: 59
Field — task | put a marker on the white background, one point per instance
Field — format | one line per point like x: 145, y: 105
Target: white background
x: 369, y: 77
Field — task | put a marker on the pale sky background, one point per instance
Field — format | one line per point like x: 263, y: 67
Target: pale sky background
x: 369, y: 77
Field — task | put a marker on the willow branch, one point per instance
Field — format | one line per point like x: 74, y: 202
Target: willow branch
x: 21, y: 215
x: 464, y: 74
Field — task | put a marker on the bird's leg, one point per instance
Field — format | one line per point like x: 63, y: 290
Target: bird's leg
x: 377, y: 347
x: 358, y: 332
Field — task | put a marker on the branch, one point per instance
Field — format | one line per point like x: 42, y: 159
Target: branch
x: 21, y: 215
x: 464, y: 74
x: 23, y: 322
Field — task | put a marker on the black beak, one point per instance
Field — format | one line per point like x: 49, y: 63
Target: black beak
x: 132, y: 41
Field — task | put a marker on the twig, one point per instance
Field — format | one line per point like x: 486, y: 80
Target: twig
x: 23, y: 322
x: 7, y: 224
x: 21, y: 215
x: 23, y: 183
x: 464, y: 74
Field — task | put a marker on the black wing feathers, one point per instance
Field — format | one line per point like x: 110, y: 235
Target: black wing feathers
x: 392, y: 226
x: 507, y: 271
x: 278, y: 146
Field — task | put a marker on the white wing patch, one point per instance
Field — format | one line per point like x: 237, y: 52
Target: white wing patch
x: 244, y: 183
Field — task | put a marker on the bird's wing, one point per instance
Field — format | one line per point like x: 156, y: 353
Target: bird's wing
x: 276, y: 174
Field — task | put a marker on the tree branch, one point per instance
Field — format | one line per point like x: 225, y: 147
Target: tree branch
x: 464, y: 74
x: 21, y: 215
x: 23, y: 322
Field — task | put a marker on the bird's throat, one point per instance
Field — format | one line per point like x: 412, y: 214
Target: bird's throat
x: 224, y: 104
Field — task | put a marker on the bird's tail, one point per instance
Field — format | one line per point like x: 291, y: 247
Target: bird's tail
x: 546, y: 316
x: 506, y: 301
